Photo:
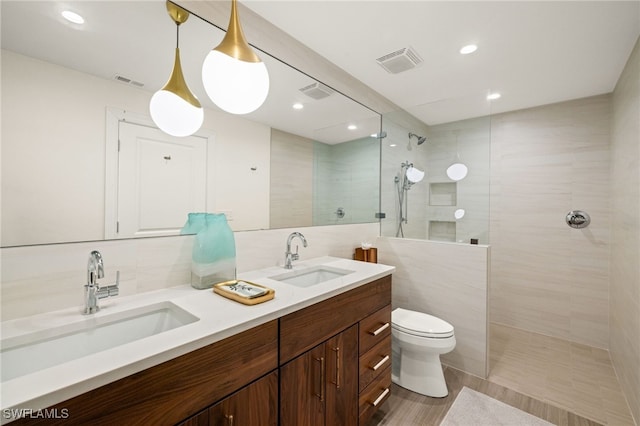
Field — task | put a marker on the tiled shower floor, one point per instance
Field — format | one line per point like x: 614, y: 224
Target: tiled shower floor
x: 575, y: 377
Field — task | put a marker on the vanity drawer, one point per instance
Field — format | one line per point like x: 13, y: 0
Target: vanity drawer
x: 375, y: 328
x: 374, y: 362
x: 374, y: 395
x: 310, y: 326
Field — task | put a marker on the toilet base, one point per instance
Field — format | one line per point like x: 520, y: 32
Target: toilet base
x: 421, y: 373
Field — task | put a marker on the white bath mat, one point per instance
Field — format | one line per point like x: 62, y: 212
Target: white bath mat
x: 473, y: 408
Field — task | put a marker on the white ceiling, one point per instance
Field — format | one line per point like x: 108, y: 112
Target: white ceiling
x: 533, y: 53
x: 136, y: 39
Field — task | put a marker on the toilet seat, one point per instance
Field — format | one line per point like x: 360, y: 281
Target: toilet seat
x: 420, y: 324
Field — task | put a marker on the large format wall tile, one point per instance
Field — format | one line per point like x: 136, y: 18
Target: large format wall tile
x: 624, y: 315
x: 37, y: 279
x: 449, y: 281
x: 546, y: 276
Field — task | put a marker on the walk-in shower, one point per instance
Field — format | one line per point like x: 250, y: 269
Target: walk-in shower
x: 451, y: 202
x: 408, y: 176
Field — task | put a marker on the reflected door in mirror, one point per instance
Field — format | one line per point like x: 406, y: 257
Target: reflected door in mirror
x: 161, y: 179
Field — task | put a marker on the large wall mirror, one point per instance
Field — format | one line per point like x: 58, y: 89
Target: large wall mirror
x: 71, y: 94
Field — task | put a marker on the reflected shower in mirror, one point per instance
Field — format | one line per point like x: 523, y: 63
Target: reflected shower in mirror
x: 68, y: 103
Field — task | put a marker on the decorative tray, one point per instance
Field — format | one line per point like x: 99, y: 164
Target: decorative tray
x: 244, y: 292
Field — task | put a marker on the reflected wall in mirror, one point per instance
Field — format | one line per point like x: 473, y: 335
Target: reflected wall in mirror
x: 438, y: 207
x: 59, y: 81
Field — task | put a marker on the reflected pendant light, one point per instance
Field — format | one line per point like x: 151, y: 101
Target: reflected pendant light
x: 174, y: 109
x: 234, y: 77
x: 457, y: 171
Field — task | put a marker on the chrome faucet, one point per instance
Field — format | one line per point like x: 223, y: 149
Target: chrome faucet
x: 290, y: 257
x: 92, y: 291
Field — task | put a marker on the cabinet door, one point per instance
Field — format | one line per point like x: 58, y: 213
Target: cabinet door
x: 303, y: 389
x: 341, y: 353
x: 253, y: 405
x: 200, y: 419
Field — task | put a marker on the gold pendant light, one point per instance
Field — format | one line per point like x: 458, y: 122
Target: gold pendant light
x: 174, y: 109
x: 234, y: 77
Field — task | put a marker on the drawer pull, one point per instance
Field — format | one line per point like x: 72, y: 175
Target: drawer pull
x: 229, y: 419
x: 380, y: 330
x: 322, y: 375
x: 337, y: 381
x: 381, y: 363
x: 380, y: 398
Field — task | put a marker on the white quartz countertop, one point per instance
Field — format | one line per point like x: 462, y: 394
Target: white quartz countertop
x: 218, y: 317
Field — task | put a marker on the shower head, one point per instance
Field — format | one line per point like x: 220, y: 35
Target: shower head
x: 421, y: 139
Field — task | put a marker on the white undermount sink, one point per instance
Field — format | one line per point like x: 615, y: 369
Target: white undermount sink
x: 26, y: 354
x: 311, y: 276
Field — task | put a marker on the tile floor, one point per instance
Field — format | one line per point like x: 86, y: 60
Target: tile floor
x: 571, y: 376
x: 406, y: 408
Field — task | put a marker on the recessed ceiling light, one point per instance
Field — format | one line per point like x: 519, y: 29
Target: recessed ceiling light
x: 72, y: 17
x: 392, y: 145
x: 493, y: 96
x: 298, y: 105
x: 352, y: 127
x: 470, y: 48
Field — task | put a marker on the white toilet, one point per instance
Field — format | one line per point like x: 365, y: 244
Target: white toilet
x: 418, y: 339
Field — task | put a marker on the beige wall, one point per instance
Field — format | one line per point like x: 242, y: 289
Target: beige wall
x: 545, y: 276
x: 449, y: 281
x: 291, y: 202
x: 624, y: 317
x: 50, y: 277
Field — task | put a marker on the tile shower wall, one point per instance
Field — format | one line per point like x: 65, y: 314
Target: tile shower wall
x: 346, y: 176
x: 45, y: 278
x: 291, y: 200
x: 545, y: 276
x: 395, y: 151
x: 449, y: 281
x: 467, y: 142
x: 624, y: 311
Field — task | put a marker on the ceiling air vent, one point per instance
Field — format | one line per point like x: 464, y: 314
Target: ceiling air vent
x: 400, y: 60
x: 126, y: 80
x: 317, y: 91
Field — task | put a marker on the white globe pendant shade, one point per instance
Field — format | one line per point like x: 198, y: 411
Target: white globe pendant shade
x: 174, y: 109
x: 457, y: 171
x: 173, y: 115
x: 235, y: 86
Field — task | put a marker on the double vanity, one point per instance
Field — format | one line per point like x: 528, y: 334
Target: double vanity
x: 318, y: 353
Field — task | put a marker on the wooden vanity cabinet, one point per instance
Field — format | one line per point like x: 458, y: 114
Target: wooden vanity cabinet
x: 354, y: 322
x: 374, y: 362
x: 253, y: 405
x: 313, y: 367
x: 320, y: 387
x: 177, y: 389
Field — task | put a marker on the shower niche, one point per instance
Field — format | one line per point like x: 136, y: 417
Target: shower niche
x: 443, y: 193
x: 443, y: 198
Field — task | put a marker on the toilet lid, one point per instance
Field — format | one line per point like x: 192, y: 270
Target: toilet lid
x: 420, y: 324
